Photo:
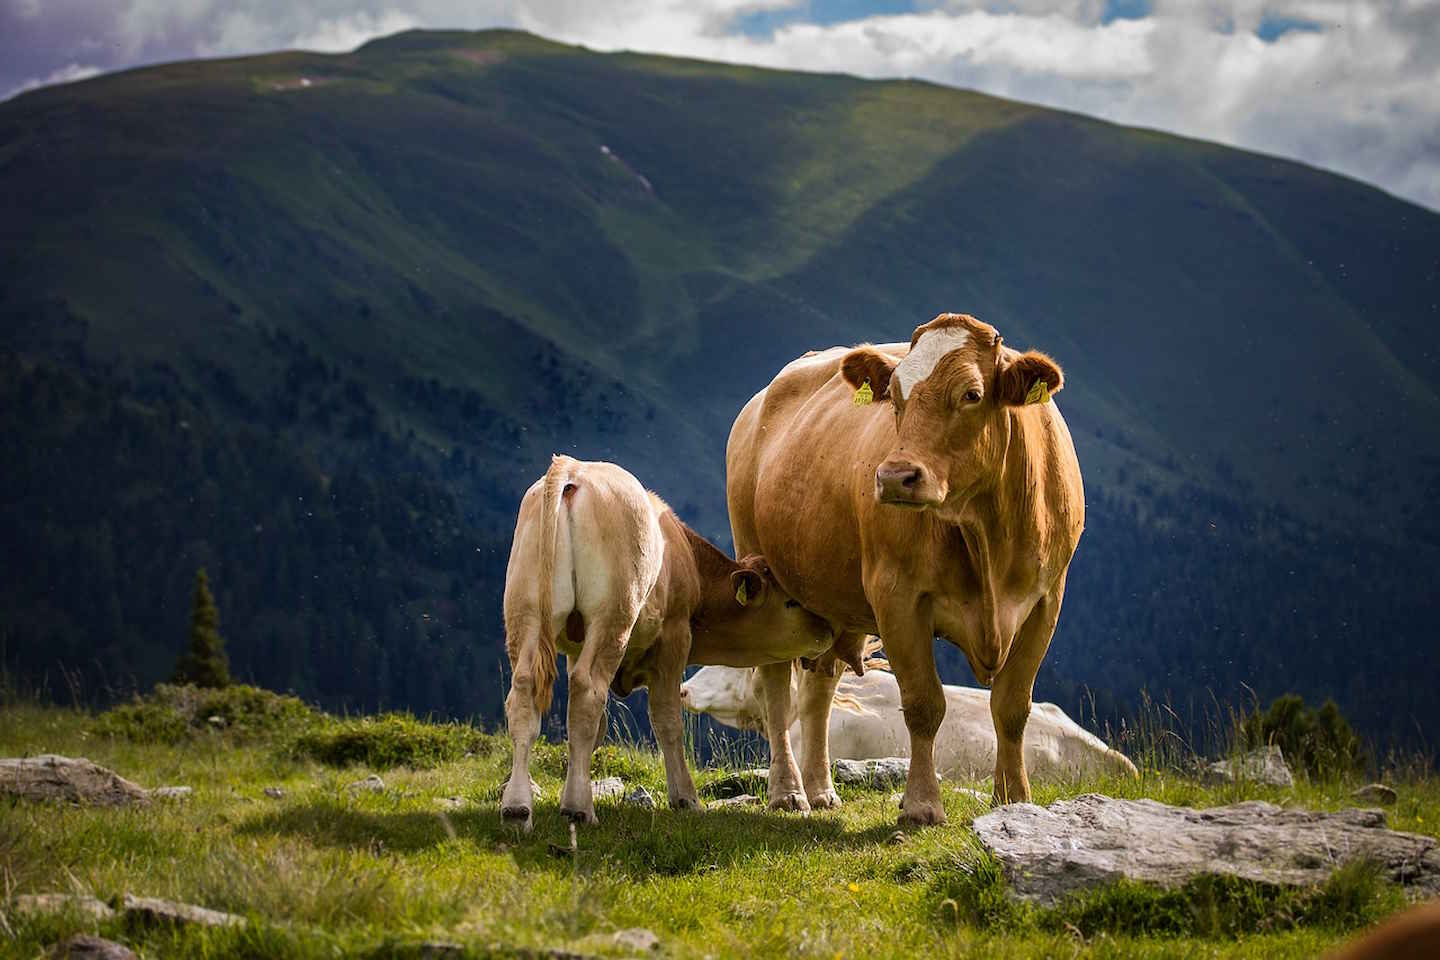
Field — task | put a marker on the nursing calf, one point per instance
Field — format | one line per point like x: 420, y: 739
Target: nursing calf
x: 866, y: 723
x: 604, y: 571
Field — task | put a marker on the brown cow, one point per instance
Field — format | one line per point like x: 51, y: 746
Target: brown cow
x: 912, y: 491
x: 605, y: 571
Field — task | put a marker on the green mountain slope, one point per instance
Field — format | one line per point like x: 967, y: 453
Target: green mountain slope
x: 447, y: 255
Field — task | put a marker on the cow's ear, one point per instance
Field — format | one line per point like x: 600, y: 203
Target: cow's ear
x: 749, y: 586
x: 867, y: 365
x: 1029, y: 377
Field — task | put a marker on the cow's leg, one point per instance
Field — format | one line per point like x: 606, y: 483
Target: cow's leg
x: 517, y: 802
x: 910, y: 647
x: 817, y: 694
x: 590, y: 676
x: 1010, y: 697
x: 666, y: 716
x: 786, y: 792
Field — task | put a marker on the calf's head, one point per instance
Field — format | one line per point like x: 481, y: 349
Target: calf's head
x: 748, y: 618
x: 951, y: 397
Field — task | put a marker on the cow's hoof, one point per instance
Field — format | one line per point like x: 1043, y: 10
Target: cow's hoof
x: 685, y: 803
x: 921, y: 813
x: 580, y: 816
x: 794, y: 800
x: 825, y: 800
x: 519, y: 815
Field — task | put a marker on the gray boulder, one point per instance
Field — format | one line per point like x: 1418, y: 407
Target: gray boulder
x: 1265, y: 765
x: 371, y: 784
x: 882, y: 774
x: 640, y: 797
x: 172, y: 793
x: 82, y: 946
x: 743, y: 800
x: 42, y: 903
x: 1049, y: 852
x: 67, y: 780
x: 610, y: 788
x: 155, y: 911
x: 1375, y: 793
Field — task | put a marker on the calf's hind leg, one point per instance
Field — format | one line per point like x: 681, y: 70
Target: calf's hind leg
x: 523, y: 719
x: 590, y: 676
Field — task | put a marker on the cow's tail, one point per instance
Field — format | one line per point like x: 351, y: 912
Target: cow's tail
x: 1121, y: 764
x: 543, y: 653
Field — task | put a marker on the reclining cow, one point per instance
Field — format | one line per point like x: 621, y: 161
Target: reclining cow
x: 866, y: 723
x: 604, y: 570
x: 912, y: 490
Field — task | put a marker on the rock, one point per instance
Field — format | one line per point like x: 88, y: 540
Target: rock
x: 275, y: 793
x: 754, y: 780
x: 82, y: 946
x: 974, y: 794
x: 452, y: 803
x: 50, y: 778
x: 1049, y: 852
x: 153, y: 910
x: 610, y: 788
x: 1265, y: 766
x: 217, y: 721
x: 371, y: 784
x: 881, y: 774
x: 172, y: 793
x: 744, y: 800
x: 37, y: 903
x: 637, y: 939
x: 1375, y: 793
x: 640, y: 797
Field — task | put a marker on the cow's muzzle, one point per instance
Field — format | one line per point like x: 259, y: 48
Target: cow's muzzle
x: 904, y: 484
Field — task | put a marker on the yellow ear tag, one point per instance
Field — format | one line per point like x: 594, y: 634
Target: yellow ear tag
x: 1039, y: 393
x: 742, y: 596
x: 863, y: 395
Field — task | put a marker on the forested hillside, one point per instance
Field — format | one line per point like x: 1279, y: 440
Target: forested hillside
x: 316, y: 322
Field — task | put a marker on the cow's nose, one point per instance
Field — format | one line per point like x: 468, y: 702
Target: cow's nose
x: 897, y: 481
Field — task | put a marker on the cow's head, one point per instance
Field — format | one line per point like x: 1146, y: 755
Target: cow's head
x: 729, y: 694
x: 951, y: 397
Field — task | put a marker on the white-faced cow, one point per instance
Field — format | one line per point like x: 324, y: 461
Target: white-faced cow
x: 604, y: 570
x: 912, y: 490
x: 866, y: 723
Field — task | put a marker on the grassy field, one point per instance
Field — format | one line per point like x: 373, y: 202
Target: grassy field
x: 325, y: 870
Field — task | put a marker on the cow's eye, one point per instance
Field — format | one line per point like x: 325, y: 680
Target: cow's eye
x: 972, y: 396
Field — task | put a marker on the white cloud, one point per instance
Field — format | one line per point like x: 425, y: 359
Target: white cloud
x: 1356, y: 89
x: 66, y: 74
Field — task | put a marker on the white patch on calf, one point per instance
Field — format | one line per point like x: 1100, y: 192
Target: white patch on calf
x: 932, y: 346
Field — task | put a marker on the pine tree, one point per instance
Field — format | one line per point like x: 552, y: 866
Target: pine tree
x: 205, y: 663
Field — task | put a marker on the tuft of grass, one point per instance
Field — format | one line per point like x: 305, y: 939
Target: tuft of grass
x: 388, y: 740
x: 173, y: 713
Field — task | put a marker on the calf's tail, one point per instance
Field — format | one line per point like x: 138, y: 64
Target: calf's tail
x: 542, y: 654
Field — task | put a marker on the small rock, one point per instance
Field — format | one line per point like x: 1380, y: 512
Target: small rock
x: 640, y: 797
x: 36, y: 903
x: 217, y: 721
x: 452, y: 803
x: 372, y: 784
x: 636, y: 938
x: 974, y: 794
x: 610, y: 788
x: 153, y: 910
x: 275, y: 793
x: 1375, y: 793
x: 82, y: 946
x: 172, y: 793
x: 739, y: 783
x: 745, y: 799
x: 70, y: 780
x: 878, y: 774
x: 1264, y: 766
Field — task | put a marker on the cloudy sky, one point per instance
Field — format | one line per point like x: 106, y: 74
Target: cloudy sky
x: 1349, y: 86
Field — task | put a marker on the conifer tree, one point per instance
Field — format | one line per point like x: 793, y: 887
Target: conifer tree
x: 205, y: 663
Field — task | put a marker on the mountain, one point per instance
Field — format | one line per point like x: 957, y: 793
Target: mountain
x: 316, y: 322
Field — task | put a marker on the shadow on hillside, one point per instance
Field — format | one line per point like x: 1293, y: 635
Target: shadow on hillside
x: 638, y: 842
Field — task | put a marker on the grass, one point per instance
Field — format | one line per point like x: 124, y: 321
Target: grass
x: 324, y: 871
